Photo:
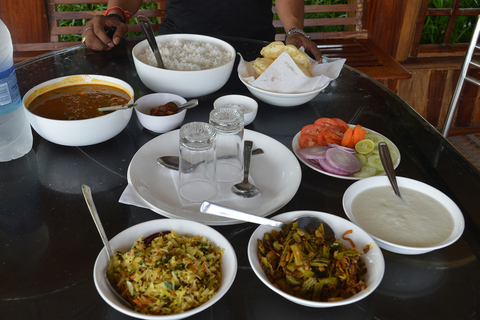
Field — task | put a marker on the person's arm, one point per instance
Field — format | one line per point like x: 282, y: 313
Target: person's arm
x: 291, y: 13
x: 94, y: 31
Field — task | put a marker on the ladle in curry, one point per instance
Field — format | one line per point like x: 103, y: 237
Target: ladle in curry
x: 306, y: 223
x: 147, y: 29
x: 388, y: 166
x: 87, y: 194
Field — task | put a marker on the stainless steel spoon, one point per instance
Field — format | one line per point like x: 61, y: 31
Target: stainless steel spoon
x: 388, y: 166
x: 122, y: 107
x: 188, y: 105
x: 87, y: 194
x: 172, y: 162
x: 245, y: 188
x: 147, y: 29
x: 304, y: 222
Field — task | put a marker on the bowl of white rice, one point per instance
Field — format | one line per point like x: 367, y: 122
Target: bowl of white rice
x: 195, y: 65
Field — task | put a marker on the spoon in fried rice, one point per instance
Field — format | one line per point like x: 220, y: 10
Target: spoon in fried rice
x: 87, y: 193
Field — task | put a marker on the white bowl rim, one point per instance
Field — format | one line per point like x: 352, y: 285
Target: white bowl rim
x: 196, y: 228
x: 253, y: 103
x: 456, y: 214
x: 186, y: 36
x: 160, y: 94
x: 328, y: 218
x: 124, y: 84
x: 294, y: 95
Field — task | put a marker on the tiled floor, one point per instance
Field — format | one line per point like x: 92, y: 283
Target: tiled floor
x: 469, y: 146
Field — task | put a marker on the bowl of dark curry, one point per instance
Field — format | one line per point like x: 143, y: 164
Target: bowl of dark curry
x: 158, y: 112
x: 65, y: 110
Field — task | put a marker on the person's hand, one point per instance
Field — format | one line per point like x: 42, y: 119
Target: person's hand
x: 96, y: 37
x: 298, y: 40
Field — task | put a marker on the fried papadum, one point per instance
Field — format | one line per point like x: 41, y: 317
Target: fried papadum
x: 274, y: 50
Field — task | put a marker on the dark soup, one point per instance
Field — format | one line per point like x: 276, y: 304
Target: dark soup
x: 77, y: 102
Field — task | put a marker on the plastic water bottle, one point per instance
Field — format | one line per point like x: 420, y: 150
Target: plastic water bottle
x: 15, y: 133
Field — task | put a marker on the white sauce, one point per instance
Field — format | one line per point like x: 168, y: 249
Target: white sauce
x: 416, y: 220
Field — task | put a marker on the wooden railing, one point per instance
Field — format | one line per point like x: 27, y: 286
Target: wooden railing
x: 55, y: 31
x: 352, y: 21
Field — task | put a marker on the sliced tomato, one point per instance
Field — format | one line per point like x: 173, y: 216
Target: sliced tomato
x: 307, y: 140
x: 321, y: 140
x: 335, y: 133
x: 327, y: 122
x: 342, y: 124
x: 311, y: 129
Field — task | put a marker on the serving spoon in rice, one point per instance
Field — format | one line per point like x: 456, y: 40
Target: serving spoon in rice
x: 87, y: 194
x: 148, y: 30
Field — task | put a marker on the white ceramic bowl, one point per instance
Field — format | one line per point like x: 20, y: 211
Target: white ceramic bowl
x: 373, y: 258
x: 124, y: 241
x: 281, y: 99
x: 250, y: 105
x: 79, y: 132
x: 184, y: 83
x: 159, y: 124
x: 382, y: 181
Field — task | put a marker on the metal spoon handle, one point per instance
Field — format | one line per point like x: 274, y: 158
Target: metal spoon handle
x: 388, y: 166
x: 122, y: 107
x: 247, y: 156
x: 87, y: 194
x: 147, y: 29
x: 215, y: 209
x: 188, y: 105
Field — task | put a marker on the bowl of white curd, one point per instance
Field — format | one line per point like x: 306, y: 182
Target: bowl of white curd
x: 423, y: 220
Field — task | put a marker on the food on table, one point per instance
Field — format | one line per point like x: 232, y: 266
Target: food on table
x: 188, y: 55
x: 333, y: 145
x: 165, y: 110
x: 168, y: 273
x: 274, y: 50
x: 312, y: 266
x: 415, y: 220
x: 77, y: 101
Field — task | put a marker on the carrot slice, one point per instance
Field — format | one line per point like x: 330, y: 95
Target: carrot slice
x: 358, y: 134
x: 347, y: 137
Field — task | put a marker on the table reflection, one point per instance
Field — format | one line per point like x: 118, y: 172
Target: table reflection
x: 49, y: 243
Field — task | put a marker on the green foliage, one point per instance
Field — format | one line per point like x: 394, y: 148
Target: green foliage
x: 435, y: 26
x: 94, y: 7
x: 433, y: 30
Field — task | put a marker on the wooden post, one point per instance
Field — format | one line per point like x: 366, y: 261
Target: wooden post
x: 26, y: 20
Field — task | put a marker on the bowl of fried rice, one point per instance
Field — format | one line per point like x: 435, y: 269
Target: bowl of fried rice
x: 195, y: 65
x: 167, y: 269
x: 312, y: 268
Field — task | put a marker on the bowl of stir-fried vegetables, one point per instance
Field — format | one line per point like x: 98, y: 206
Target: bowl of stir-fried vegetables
x: 168, y: 269
x: 315, y: 269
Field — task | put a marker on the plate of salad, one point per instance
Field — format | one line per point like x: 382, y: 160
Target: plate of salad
x: 346, y: 151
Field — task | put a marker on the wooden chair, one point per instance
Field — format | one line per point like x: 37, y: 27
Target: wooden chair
x: 54, y: 30
x: 467, y: 63
x: 352, y: 43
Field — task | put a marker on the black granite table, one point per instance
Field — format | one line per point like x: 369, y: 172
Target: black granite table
x: 48, y: 241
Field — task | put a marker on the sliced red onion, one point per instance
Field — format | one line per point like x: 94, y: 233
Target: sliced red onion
x: 313, y: 152
x: 346, y: 149
x: 342, y: 160
x: 325, y: 165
